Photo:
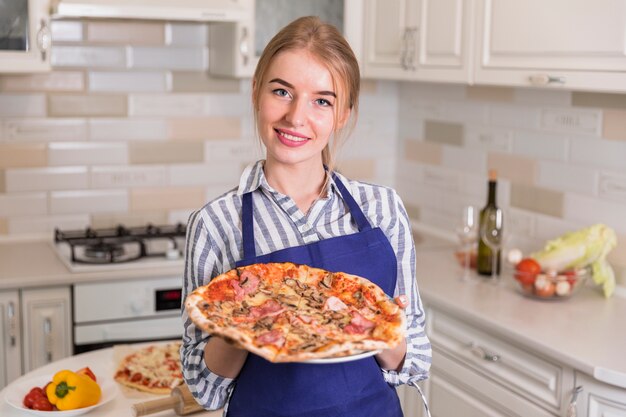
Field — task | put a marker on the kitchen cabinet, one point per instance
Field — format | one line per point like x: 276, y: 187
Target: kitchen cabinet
x: 10, y: 337
x: 599, y: 400
x: 46, y: 317
x: 25, y: 38
x: 418, y: 40
x: 234, y: 48
x: 486, y: 375
x: 572, y: 44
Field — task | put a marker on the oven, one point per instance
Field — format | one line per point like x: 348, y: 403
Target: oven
x: 126, y: 308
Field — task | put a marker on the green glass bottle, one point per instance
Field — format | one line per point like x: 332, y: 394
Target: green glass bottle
x: 484, y: 261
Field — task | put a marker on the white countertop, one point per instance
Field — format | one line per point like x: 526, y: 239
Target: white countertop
x: 103, y: 365
x: 586, y: 332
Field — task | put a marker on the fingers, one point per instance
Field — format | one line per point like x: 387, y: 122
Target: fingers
x: 402, y: 301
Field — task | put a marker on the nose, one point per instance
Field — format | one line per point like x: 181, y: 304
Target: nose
x: 296, y: 115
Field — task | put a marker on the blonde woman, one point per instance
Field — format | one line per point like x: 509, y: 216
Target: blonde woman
x: 292, y: 207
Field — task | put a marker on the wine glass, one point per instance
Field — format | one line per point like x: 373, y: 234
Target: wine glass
x: 467, y: 236
x: 491, y: 234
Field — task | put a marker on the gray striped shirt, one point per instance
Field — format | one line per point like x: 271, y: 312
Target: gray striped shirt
x: 214, y: 245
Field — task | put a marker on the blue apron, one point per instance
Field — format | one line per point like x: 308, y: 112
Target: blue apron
x: 350, y: 389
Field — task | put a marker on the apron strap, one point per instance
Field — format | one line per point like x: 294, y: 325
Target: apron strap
x: 247, y: 227
x: 355, y: 210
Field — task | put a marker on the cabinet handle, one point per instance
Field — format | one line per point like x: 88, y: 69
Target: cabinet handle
x: 244, y: 49
x: 571, y: 408
x: 483, y: 353
x: 47, y: 333
x: 12, y: 324
x: 412, y: 47
x: 44, y: 39
x: 403, y: 50
x: 545, y: 79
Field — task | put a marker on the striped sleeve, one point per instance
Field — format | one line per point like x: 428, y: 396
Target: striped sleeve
x: 209, y: 389
x: 418, y: 354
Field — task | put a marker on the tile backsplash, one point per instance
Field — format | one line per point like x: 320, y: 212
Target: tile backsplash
x: 560, y: 157
x: 130, y: 128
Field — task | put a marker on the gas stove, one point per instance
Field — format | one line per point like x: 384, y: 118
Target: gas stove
x: 120, y: 247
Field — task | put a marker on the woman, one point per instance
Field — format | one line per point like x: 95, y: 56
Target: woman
x: 293, y: 207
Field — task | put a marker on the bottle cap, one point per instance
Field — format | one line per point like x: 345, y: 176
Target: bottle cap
x: 493, y: 175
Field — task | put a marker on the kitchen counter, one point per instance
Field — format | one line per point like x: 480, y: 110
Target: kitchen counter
x: 585, y: 332
x: 103, y: 364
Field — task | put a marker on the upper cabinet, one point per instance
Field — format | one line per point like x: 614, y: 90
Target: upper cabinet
x: 572, y: 44
x: 234, y: 48
x: 421, y: 40
x: 24, y: 36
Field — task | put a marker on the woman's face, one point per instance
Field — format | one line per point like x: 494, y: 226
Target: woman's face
x: 296, y: 108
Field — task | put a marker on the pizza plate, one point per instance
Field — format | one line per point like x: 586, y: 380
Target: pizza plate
x: 16, y: 392
x: 341, y: 359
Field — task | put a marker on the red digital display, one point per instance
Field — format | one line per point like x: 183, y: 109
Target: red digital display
x: 171, y: 295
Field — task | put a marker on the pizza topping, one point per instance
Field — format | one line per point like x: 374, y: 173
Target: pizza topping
x: 153, y: 368
x: 268, y: 308
x: 358, y: 324
x: 274, y: 337
x: 334, y: 304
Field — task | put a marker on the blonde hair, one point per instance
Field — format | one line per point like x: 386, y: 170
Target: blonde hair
x: 328, y: 45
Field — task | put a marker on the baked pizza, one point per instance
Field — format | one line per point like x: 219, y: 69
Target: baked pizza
x: 154, y: 369
x: 290, y: 313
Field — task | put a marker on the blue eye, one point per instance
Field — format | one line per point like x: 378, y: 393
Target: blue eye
x: 323, y: 102
x: 281, y: 92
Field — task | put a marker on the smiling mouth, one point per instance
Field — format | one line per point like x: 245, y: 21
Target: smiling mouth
x: 291, y: 137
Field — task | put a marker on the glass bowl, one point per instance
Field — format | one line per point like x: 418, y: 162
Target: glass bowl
x: 550, y: 285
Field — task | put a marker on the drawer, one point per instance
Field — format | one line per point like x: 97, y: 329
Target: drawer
x: 598, y: 399
x: 520, y: 370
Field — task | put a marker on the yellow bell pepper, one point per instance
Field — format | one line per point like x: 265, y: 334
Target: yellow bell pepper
x: 69, y: 390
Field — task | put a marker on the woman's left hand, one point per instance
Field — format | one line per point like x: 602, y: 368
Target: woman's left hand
x: 402, y: 301
x: 393, y: 359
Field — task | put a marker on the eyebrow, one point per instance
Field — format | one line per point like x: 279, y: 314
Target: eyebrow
x: 289, y: 85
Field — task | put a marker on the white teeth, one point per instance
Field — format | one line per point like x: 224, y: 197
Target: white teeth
x: 293, y: 138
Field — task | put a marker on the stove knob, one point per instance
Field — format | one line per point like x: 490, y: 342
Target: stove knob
x: 172, y: 254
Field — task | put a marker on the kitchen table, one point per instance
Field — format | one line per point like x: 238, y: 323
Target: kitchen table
x: 103, y: 364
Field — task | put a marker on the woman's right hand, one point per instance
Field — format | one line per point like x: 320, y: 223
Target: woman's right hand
x: 224, y: 357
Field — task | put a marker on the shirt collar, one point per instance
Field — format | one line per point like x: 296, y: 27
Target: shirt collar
x: 253, y: 178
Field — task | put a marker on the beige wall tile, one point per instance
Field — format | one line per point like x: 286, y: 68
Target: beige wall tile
x: 444, y: 133
x: 201, y: 81
x: 23, y: 204
x: 87, y: 153
x: 46, y: 179
x: 173, y: 198
x: 614, y: 124
x: 539, y: 200
x: 427, y: 153
x: 47, y: 224
x: 3, y: 187
x: 41, y: 130
x: 88, y: 201
x: 497, y: 94
x: 202, y: 128
x: 606, y: 100
x: 52, y: 81
x: 127, y: 33
x: 517, y: 169
x: 359, y: 169
x: 618, y: 255
x: 128, y: 219
x: 13, y: 155
x: 412, y: 211
x: 166, y: 152
x: 60, y: 105
x: 4, y: 227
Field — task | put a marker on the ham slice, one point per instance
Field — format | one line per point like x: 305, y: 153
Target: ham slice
x: 247, y: 284
x: 334, y: 304
x: 358, y: 324
x: 268, y: 308
x: 273, y: 337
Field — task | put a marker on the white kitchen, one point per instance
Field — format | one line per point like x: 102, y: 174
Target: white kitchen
x: 119, y: 119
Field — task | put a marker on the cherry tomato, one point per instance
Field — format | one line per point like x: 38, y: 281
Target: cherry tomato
x: 88, y: 372
x: 33, y: 395
x: 546, y: 290
x: 527, y: 269
x: 571, y: 277
x: 42, y: 404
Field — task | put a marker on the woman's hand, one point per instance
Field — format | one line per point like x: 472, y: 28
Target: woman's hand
x: 393, y: 359
x: 224, y: 357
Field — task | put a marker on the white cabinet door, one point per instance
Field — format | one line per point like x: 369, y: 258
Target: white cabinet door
x: 598, y: 399
x: 24, y: 36
x: 561, y: 43
x: 46, y: 314
x: 10, y: 338
x: 427, y: 40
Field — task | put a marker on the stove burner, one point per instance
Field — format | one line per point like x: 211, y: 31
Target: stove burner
x: 103, y: 250
x: 119, y: 244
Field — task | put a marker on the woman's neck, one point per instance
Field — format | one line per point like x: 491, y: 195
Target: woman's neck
x: 304, y: 183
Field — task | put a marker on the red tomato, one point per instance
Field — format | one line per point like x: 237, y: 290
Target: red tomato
x: 33, y: 395
x: 527, y: 269
x: 42, y: 404
x: 571, y: 277
x: 88, y: 372
x: 545, y: 291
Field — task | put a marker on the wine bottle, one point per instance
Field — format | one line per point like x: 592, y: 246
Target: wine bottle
x: 484, y: 261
